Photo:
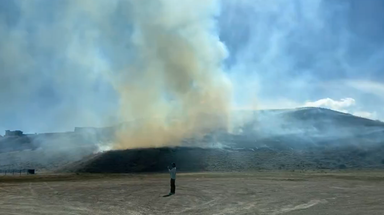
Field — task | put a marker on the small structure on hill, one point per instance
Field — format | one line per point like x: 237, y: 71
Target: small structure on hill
x: 16, y: 133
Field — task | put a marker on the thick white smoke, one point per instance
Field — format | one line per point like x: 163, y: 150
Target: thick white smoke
x: 175, y: 87
x: 156, y: 63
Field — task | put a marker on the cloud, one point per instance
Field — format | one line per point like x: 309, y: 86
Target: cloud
x: 342, y: 105
x: 345, y: 105
x: 365, y: 114
x: 367, y: 86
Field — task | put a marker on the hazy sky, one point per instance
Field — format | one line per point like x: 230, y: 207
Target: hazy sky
x: 282, y: 54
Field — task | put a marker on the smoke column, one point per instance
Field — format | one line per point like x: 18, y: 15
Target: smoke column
x: 175, y: 88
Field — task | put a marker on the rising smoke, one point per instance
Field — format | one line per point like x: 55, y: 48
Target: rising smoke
x: 155, y: 66
x: 176, y: 87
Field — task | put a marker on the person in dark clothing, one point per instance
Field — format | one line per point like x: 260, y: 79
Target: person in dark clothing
x: 172, y: 172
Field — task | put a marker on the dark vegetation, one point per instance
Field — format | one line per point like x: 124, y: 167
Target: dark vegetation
x: 198, y: 159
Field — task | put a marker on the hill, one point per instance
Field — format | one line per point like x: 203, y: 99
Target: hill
x: 309, y: 138
x: 223, y: 160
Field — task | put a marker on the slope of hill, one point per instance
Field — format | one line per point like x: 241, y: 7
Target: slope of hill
x: 198, y: 159
x: 306, y: 138
x: 297, y: 138
x: 307, y: 127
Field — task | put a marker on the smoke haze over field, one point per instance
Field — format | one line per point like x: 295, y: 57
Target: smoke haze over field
x: 98, y: 63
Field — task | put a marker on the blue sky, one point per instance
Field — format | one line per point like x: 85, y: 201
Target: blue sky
x: 300, y: 51
x: 282, y: 54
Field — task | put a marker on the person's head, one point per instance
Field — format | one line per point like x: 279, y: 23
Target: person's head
x: 173, y: 165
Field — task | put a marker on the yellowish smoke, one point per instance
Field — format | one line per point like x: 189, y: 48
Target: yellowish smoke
x: 176, y: 88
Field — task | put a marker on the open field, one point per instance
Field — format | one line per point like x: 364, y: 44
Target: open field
x: 197, y: 193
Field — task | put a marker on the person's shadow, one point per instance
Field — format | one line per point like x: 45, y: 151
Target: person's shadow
x: 168, y: 195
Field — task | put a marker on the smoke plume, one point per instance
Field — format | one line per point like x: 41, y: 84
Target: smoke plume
x: 153, y: 65
x: 175, y: 88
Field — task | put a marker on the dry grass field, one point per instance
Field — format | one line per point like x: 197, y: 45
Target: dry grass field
x: 197, y: 193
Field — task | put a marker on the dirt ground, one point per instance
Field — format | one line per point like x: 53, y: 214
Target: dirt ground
x: 199, y: 193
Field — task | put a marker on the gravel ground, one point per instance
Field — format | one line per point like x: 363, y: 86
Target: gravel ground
x: 197, y: 193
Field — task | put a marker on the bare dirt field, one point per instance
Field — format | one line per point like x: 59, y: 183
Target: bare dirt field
x: 197, y: 193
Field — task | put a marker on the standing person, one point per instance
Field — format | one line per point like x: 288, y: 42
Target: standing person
x: 172, y: 172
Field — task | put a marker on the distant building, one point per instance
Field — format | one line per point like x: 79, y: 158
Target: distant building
x: 16, y: 133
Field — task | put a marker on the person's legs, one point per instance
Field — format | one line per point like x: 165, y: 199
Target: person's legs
x: 173, y: 186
